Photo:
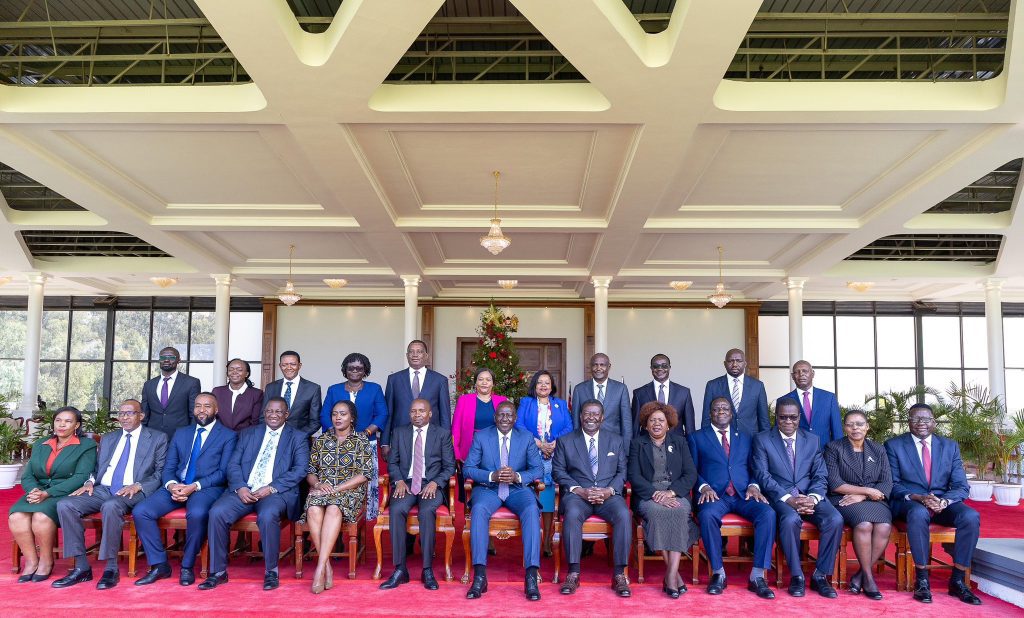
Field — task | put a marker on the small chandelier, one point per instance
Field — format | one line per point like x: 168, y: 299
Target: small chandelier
x: 860, y: 286
x: 495, y: 241
x: 508, y: 284
x: 289, y: 296
x: 5, y: 280
x: 720, y: 298
x: 164, y: 282
x: 680, y: 286
x: 336, y: 283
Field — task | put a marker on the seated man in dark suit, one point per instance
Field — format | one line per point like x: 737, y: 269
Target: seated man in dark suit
x: 747, y: 394
x: 127, y: 470
x: 788, y: 466
x: 300, y: 395
x: 168, y: 399
x: 589, y: 466
x: 193, y: 477
x: 721, y: 454
x: 662, y: 390
x: 503, y: 463
x: 929, y: 486
x: 263, y: 476
x: 419, y: 466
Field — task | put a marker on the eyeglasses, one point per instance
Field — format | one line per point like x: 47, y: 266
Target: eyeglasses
x: 660, y: 365
x: 856, y: 425
x: 127, y: 414
x: 167, y: 357
x: 788, y: 417
x: 922, y: 420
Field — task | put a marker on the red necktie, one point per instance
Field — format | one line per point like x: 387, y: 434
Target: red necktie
x: 730, y: 490
x: 926, y: 459
x: 807, y: 407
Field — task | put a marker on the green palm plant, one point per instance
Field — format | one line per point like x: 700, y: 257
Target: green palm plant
x: 973, y: 419
x: 1008, y: 444
x: 891, y: 411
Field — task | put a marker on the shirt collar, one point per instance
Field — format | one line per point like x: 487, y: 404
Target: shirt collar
x: 729, y: 378
x: 784, y: 438
x: 604, y: 384
x: 135, y: 433
x: 597, y: 436
x: 241, y: 390
x: 52, y: 442
x: 927, y: 441
x: 295, y: 382
x: 207, y: 428
x: 809, y: 391
x: 504, y: 435
x: 657, y: 384
x: 174, y: 374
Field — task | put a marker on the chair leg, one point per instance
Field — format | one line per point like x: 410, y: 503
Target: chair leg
x: 377, y: 530
x: 353, y: 552
x: 778, y: 566
x: 133, y: 548
x: 449, y: 540
x: 695, y: 563
x: 465, y: 550
x: 204, y: 560
x: 15, y: 557
x: 556, y: 542
x: 639, y: 559
x: 297, y: 547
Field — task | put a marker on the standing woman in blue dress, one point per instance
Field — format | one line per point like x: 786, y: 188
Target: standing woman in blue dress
x: 372, y: 414
x: 548, y: 418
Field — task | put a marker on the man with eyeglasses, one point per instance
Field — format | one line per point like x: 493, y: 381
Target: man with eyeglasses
x: 664, y: 391
x: 168, y: 399
x: 929, y: 486
x: 128, y: 469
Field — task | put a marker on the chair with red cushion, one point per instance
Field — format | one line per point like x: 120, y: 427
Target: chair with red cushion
x: 641, y: 557
x: 905, y: 567
x: 732, y: 526
x: 808, y: 532
x: 350, y: 540
x: 504, y: 525
x: 594, y: 529
x: 444, y: 523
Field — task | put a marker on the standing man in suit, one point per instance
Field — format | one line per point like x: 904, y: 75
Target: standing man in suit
x: 127, y: 470
x: 746, y: 393
x: 416, y: 382
x: 721, y: 454
x: 675, y: 395
x: 503, y: 462
x: 819, y: 408
x: 263, y: 476
x: 612, y: 395
x: 788, y: 466
x: 302, y: 397
x: 419, y: 468
x: 168, y: 399
x: 193, y: 477
x: 929, y: 486
x: 589, y: 466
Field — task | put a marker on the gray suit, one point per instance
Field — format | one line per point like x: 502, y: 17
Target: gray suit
x: 617, y: 415
x: 148, y: 457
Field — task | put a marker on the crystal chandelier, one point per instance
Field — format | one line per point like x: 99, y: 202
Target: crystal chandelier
x: 337, y: 284
x: 860, y: 286
x: 507, y: 284
x: 164, y: 282
x: 495, y: 241
x: 289, y: 296
x: 720, y: 298
x: 680, y: 286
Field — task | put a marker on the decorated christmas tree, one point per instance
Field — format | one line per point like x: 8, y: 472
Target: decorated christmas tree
x: 497, y: 352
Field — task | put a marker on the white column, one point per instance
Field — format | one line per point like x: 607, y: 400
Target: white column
x: 795, y: 285
x: 601, y: 314
x: 33, y: 338
x: 994, y: 331
x: 221, y: 329
x: 412, y: 290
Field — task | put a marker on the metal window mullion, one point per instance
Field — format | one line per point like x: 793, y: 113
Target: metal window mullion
x: 108, y: 356
x: 67, y: 350
x: 149, y: 356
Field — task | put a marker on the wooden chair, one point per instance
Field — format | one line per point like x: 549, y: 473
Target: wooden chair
x: 641, y: 557
x: 444, y: 524
x: 732, y: 526
x: 504, y: 525
x: 808, y: 532
x: 844, y: 559
x: 905, y: 567
x: 350, y: 544
x: 92, y: 522
x: 594, y: 529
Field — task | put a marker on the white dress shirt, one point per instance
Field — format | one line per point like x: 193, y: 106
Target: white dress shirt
x: 668, y: 390
x: 235, y: 394
x: 202, y: 443
x: 412, y: 449
x: 255, y: 481
x: 129, y: 471
x: 422, y: 373
x: 170, y: 384
x: 284, y: 389
x: 601, y: 384
x: 519, y: 477
x: 586, y: 444
x: 730, y: 381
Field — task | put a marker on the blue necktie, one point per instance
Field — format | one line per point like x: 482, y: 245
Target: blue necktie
x: 117, y: 480
x: 197, y: 445
x: 288, y: 394
x: 593, y: 456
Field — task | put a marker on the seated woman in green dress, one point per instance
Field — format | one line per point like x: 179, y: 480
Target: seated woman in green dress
x: 60, y: 464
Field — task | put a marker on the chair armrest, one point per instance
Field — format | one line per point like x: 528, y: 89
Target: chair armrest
x: 451, y: 495
x: 385, y: 495
x: 558, y: 497
x: 468, y: 486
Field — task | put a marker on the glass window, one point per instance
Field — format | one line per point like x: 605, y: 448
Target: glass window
x: 204, y: 373
x: 245, y: 339
x: 855, y: 385
x: 85, y: 386
x: 1013, y: 351
x: 170, y: 330
x: 772, y: 336
x: 896, y: 347
x: 51, y: 383
x: 941, y: 339
x: 975, y: 342
x: 127, y: 381
x: 54, y: 338
x: 940, y: 379
x: 1014, y: 389
x: 202, y: 336
x: 12, y: 344
x: 825, y: 377
x: 12, y: 376
x: 88, y: 335
x: 855, y: 341
x: 131, y: 335
x: 976, y: 376
x: 776, y: 382
x: 898, y: 380
x: 819, y: 346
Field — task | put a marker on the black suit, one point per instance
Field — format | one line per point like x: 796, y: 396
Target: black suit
x: 398, y: 397
x: 570, y: 467
x: 678, y: 397
x: 180, y: 401
x: 438, y: 467
x: 304, y: 408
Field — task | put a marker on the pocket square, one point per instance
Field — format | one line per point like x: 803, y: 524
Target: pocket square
x: 610, y: 454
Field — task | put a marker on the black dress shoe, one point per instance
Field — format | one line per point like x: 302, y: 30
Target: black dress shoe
x: 760, y: 587
x: 27, y: 577
x: 428, y: 579
x: 187, y: 577
x: 398, y: 577
x: 922, y: 592
x: 717, y: 584
x: 76, y: 576
x: 620, y: 584
x: 40, y: 577
x: 963, y: 592
x: 108, y: 580
x: 478, y: 587
x: 571, y: 584
x: 214, y: 580
x: 531, y: 588
x: 874, y: 595
x: 671, y: 592
x: 270, y: 580
x: 823, y: 587
x: 796, y: 586
x: 155, y: 574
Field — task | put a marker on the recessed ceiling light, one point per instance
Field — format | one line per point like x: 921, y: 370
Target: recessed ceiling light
x: 860, y: 286
x: 679, y: 286
x: 508, y: 284
x: 336, y: 283
x: 164, y: 282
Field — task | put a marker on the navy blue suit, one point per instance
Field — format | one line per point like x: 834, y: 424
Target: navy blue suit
x: 826, y: 421
x: 948, y: 481
x: 212, y: 478
x: 716, y: 470
x: 752, y: 417
x: 483, y: 459
x: 180, y: 403
x: 398, y: 397
x: 291, y: 461
x: 678, y: 397
x: 778, y: 478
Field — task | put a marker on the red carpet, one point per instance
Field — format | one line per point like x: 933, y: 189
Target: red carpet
x: 243, y: 594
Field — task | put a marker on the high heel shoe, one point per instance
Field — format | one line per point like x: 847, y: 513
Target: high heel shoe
x: 41, y: 577
x: 855, y: 584
x: 671, y: 592
x: 318, y: 581
x: 26, y: 576
x: 329, y: 582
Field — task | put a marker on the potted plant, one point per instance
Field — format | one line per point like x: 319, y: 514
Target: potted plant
x: 97, y: 422
x: 891, y: 411
x: 1006, y: 450
x: 970, y: 420
x: 10, y: 446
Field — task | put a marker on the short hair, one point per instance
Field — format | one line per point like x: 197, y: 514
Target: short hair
x: 78, y: 417
x: 248, y: 369
x: 480, y: 370
x: 532, y: 391
x: 592, y: 402
x: 506, y: 403
x: 289, y: 353
x: 421, y: 342
x: 353, y: 412
x: 725, y: 399
x: 269, y: 401
x: 135, y: 401
x: 209, y: 394
x: 651, y: 407
x: 729, y: 353
x: 855, y: 412
x: 429, y: 407
x: 172, y: 349
x: 665, y: 356
x: 353, y: 357
x: 786, y: 401
x: 919, y: 406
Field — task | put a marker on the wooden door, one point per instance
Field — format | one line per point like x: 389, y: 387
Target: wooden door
x: 534, y: 354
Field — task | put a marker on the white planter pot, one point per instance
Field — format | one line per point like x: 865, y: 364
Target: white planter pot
x: 1007, y: 494
x: 8, y: 475
x: 981, y: 491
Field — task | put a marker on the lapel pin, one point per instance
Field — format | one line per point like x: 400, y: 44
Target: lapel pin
x: 670, y: 448
x: 871, y: 459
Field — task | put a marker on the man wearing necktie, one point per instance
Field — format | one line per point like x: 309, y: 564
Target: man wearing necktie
x: 302, y: 396
x: 413, y: 383
x: 618, y: 417
x: 819, y: 409
x: 664, y: 391
x: 929, y: 485
x: 194, y: 476
x: 789, y: 469
x: 419, y: 466
x: 128, y: 469
x: 746, y: 393
x: 502, y: 462
x: 589, y: 466
x: 263, y: 477
x: 168, y: 399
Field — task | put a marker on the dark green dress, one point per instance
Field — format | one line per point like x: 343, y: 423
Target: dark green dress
x: 71, y: 469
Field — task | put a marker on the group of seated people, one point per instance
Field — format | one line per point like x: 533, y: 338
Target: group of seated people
x: 242, y: 451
